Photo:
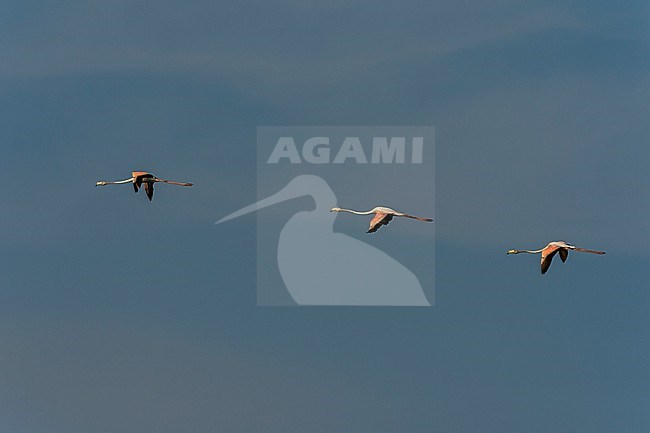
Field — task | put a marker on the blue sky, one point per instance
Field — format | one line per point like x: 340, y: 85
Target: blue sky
x: 117, y: 314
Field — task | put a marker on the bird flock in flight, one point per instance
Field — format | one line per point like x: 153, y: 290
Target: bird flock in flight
x: 382, y: 216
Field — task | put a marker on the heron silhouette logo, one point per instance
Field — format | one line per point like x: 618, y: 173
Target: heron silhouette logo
x: 318, y: 265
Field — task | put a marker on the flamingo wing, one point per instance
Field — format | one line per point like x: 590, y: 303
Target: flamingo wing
x: 564, y: 254
x: 380, y: 219
x: 547, y: 257
x: 148, y: 188
x: 138, y: 179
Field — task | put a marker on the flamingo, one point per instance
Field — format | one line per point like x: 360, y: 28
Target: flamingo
x: 549, y: 251
x: 383, y: 215
x: 142, y: 177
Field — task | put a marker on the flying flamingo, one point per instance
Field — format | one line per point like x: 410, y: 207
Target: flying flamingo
x: 142, y: 177
x: 383, y: 215
x: 549, y: 251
